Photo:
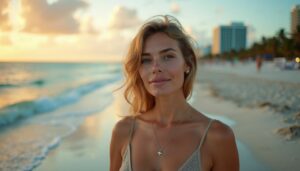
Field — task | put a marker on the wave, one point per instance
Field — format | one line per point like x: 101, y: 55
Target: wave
x: 45, y: 150
x: 21, y: 110
x: 7, y: 85
x: 38, y: 82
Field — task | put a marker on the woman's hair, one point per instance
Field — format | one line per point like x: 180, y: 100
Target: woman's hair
x: 135, y: 92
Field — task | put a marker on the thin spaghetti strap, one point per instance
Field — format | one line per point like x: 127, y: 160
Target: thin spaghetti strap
x: 132, y: 129
x: 205, y: 133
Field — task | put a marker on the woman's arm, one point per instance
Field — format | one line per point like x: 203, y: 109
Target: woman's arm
x: 223, y: 148
x: 119, y: 138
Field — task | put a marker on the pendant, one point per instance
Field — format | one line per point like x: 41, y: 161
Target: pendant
x: 160, y: 153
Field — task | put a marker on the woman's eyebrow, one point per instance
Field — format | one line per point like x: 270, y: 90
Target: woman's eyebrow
x: 146, y: 54
x: 162, y: 51
x: 166, y: 50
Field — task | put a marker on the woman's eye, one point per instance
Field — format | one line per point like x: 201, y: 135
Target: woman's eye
x: 146, y: 60
x: 167, y: 57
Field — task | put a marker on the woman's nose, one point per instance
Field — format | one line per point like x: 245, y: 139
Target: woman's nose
x: 156, y: 67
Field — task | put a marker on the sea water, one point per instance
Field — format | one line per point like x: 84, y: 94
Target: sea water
x: 41, y: 103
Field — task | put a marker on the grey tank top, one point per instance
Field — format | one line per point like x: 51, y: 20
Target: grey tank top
x: 191, y: 164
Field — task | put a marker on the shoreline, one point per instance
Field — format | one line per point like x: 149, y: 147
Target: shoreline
x: 87, y: 148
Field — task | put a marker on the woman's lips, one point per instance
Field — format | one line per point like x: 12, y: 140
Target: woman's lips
x: 160, y: 81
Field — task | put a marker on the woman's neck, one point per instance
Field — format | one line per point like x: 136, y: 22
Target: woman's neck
x: 170, y: 109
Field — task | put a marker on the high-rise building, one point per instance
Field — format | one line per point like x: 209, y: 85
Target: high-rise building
x: 227, y: 38
x: 295, y: 18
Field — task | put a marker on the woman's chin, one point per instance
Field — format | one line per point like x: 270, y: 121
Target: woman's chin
x: 161, y: 93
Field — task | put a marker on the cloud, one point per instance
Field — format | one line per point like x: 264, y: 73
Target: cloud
x: 4, y: 17
x: 175, y: 8
x: 54, y: 18
x: 87, y: 25
x: 124, y: 18
x: 84, y: 47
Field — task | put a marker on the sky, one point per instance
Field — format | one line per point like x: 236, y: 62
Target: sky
x: 101, y: 30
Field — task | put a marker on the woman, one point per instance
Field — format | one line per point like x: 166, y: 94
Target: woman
x: 164, y: 132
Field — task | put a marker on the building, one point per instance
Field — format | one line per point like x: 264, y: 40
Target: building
x: 227, y: 38
x: 295, y: 18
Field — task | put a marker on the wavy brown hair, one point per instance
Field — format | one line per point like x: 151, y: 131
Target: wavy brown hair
x: 135, y: 92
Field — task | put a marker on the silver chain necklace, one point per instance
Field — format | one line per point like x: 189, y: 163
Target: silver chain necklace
x: 160, y: 152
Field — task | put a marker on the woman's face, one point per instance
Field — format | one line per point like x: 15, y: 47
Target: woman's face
x: 163, y: 66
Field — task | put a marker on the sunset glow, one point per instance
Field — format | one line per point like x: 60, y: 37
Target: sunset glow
x: 89, y: 30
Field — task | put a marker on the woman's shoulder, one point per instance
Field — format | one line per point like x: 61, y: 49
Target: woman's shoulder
x: 222, y: 146
x: 219, y: 128
x: 122, y: 127
x: 121, y: 134
x: 219, y: 131
x: 220, y: 138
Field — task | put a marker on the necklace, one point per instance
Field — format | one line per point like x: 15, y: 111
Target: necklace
x: 160, y: 152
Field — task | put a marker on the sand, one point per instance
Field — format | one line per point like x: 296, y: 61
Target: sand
x: 254, y: 127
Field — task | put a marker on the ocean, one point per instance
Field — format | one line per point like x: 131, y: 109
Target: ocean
x: 41, y: 103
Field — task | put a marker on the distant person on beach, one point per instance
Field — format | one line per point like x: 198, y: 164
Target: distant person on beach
x: 164, y: 132
x: 258, y: 63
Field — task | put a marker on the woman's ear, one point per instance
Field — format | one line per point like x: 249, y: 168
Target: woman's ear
x: 187, y: 69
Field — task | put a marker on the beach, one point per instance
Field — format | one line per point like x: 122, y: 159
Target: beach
x: 254, y: 128
x: 222, y: 91
x: 259, y: 104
